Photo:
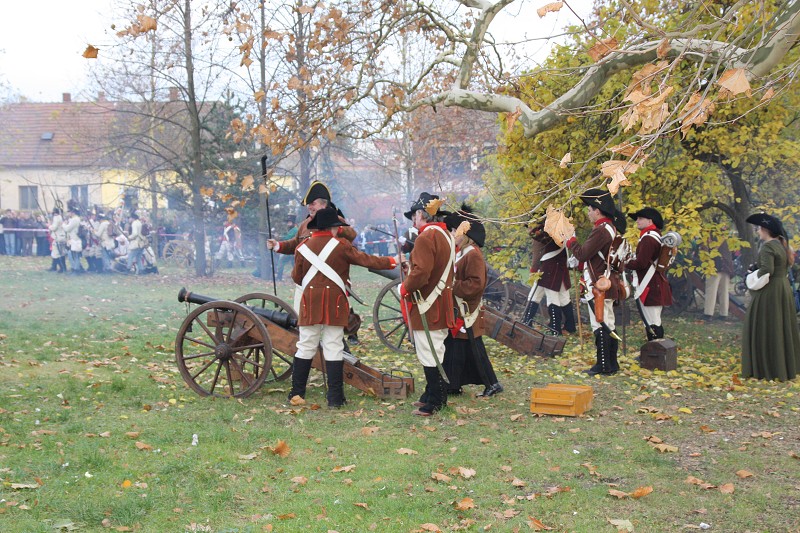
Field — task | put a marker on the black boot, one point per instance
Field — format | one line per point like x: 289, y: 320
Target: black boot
x: 555, y: 319
x: 530, y: 313
x: 335, y: 370
x: 651, y: 333
x: 658, y: 331
x: 614, y: 348
x: 436, y: 389
x: 54, y: 265
x: 300, y: 371
x: 602, y: 340
x: 63, y: 262
x: 569, y: 318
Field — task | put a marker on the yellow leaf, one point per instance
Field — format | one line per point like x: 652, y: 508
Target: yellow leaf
x: 90, y: 52
x: 552, y: 7
x: 464, y: 504
x: 126, y: 484
x: 685, y: 410
x: 696, y: 112
x: 735, y: 81
x: 558, y: 226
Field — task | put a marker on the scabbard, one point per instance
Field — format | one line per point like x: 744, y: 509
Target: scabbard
x: 433, y: 349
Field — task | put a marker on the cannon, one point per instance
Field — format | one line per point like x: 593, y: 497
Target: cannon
x: 230, y: 348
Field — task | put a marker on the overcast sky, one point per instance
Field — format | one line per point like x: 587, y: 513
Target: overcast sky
x: 42, y: 42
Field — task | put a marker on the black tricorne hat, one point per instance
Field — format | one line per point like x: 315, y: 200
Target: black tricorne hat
x: 316, y: 191
x: 769, y: 222
x: 326, y: 218
x: 476, y: 232
x: 602, y: 200
x: 421, y: 203
x: 652, y: 214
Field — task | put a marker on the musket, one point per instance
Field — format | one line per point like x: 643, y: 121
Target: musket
x: 269, y: 223
x: 403, y: 301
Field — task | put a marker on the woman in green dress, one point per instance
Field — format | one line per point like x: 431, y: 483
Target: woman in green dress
x: 771, y: 340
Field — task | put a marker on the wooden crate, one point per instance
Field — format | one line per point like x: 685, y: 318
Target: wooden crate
x: 660, y: 354
x: 561, y: 399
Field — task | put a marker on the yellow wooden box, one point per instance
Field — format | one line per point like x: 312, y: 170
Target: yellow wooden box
x: 561, y: 399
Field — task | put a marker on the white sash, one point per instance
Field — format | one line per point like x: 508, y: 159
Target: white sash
x: 641, y: 286
x: 551, y: 254
x: 426, y: 303
x: 318, y: 264
x: 463, y: 307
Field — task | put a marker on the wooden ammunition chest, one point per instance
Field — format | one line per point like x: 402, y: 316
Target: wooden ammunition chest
x: 660, y: 354
x: 561, y: 399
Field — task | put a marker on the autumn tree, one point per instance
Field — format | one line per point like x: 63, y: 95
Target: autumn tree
x: 167, y: 73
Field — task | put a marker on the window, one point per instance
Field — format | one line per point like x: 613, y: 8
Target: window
x: 28, y: 197
x: 80, y: 193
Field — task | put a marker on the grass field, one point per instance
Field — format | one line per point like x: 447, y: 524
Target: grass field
x: 97, y: 427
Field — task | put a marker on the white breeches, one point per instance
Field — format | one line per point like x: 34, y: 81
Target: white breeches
x: 330, y: 337
x: 423, y: 347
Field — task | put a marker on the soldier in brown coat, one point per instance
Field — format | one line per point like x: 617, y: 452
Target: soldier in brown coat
x: 593, y: 253
x: 652, y: 288
x: 554, y: 284
x: 465, y: 357
x: 322, y: 270
x: 429, y: 289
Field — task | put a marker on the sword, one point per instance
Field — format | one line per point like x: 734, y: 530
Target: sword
x: 430, y: 343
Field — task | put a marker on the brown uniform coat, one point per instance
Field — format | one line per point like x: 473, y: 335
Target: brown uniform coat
x: 429, y: 258
x: 598, y: 242
x: 647, y: 252
x: 554, y: 270
x: 469, y: 283
x: 289, y: 246
x: 323, y: 302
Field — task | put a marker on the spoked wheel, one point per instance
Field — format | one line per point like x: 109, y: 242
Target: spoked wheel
x: 496, y: 294
x: 223, y: 349
x: 281, y: 367
x: 388, y: 319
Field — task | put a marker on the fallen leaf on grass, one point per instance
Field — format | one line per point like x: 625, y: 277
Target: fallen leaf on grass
x: 248, y: 457
x: 429, y: 527
x: 744, y: 474
x: 537, y: 525
x: 297, y: 400
x: 464, y: 504
x: 347, y: 468
x: 618, y: 494
x: 621, y: 525
x: 369, y: 430
x: 143, y: 446
x: 727, y: 488
x: 641, y: 492
x: 406, y: 451
x: 518, y: 482
x: 281, y: 449
x: 20, y: 486
x: 287, y: 516
x: 362, y: 505
x: 516, y: 417
x: 300, y: 480
x: 437, y: 476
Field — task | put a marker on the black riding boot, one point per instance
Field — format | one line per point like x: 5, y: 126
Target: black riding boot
x: 335, y: 372
x: 569, y: 318
x: 300, y: 371
x: 436, y: 389
x: 554, y: 312
x: 530, y: 313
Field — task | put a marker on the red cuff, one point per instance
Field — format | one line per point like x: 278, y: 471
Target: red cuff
x: 571, y: 241
x: 403, y: 291
x: 394, y: 262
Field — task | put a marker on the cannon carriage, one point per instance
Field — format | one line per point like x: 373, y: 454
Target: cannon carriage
x: 230, y: 348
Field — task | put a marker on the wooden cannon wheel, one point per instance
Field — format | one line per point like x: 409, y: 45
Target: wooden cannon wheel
x: 388, y: 319
x: 281, y: 367
x: 496, y: 294
x: 223, y: 349
x: 180, y: 253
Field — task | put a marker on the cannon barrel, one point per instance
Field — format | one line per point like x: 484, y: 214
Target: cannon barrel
x: 388, y: 274
x: 279, y: 318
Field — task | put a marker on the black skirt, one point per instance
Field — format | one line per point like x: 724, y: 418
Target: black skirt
x: 461, y: 365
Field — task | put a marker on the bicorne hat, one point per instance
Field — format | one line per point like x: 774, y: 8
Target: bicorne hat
x: 316, y: 191
x: 429, y: 202
x: 770, y: 222
x: 326, y: 218
x: 652, y: 214
x: 476, y: 232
